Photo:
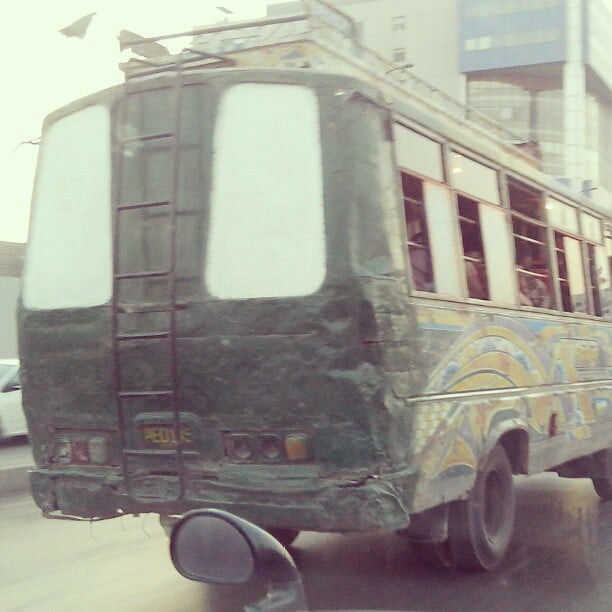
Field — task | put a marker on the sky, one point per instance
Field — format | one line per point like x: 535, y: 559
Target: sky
x: 43, y: 70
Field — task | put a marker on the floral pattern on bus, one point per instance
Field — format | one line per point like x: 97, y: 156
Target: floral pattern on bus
x: 519, y: 363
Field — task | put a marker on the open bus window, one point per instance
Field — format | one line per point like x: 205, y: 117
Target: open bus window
x: 530, y: 245
x: 473, y: 252
x: 595, y: 278
x: 603, y: 257
x: 483, y: 224
x: 571, y: 274
x: 598, y: 273
x: 533, y: 275
x: 566, y: 302
x: 418, y: 238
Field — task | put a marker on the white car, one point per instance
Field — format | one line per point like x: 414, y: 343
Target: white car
x: 12, y: 418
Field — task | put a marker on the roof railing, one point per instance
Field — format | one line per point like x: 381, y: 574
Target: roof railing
x: 328, y: 28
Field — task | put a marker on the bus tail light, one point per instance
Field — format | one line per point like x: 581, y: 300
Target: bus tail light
x: 271, y: 447
x: 296, y: 446
x: 266, y: 447
x: 242, y: 447
x: 80, y: 451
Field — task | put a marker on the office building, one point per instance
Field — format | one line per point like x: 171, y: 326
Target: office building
x: 11, y: 265
x: 542, y: 68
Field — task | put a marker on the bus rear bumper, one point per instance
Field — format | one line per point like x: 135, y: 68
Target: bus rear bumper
x: 369, y: 505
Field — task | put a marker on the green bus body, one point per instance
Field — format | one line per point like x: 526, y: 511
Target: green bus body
x: 354, y: 406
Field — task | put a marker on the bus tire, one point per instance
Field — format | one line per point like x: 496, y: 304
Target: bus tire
x: 480, y: 527
x: 603, y: 481
x: 285, y: 536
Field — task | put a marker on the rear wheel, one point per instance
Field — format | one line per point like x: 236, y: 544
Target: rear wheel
x: 285, y: 536
x: 427, y: 532
x: 480, y: 527
x: 603, y: 481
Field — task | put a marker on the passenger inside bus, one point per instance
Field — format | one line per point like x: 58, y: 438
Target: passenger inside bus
x: 475, y: 271
x: 420, y: 261
x: 533, y: 290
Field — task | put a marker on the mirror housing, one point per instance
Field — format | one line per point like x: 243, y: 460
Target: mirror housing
x: 217, y: 547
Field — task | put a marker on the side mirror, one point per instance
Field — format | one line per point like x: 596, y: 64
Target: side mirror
x: 218, y: 547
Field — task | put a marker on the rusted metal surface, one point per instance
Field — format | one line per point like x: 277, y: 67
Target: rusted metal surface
x: 311, y: 368
x: 364, y: 385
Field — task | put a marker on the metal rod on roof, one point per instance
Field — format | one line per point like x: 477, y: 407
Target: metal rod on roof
x: 219, y: 28
x: 206, y: 55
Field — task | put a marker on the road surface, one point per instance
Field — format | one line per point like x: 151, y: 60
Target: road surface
x: 561, y: 559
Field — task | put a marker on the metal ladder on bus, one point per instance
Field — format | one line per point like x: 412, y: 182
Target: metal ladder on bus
x: 173, y: 458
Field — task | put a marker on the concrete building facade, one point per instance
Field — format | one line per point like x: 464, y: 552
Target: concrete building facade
x: 542, y: 68
x: 11, y: 266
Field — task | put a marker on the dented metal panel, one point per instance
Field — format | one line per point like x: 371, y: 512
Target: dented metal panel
x: 282, y: 402
x: 347, y: 409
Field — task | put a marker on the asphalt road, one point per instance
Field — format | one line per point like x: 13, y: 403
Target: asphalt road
x: 15, y: 460
x: 15, y: 452
x: 561, y: 559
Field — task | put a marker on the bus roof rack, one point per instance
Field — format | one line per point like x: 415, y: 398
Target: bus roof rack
x: 321, y: 38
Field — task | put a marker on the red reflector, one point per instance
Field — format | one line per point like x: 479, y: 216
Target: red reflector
x: 80, y: 451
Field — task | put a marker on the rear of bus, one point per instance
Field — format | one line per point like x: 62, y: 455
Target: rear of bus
x: 214, y: 306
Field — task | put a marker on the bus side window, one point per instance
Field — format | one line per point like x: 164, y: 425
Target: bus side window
x: 566, y: 300
x: 530, y: 245
x: 603, y: 257
x: 419, y: 249
x: 571, y: 273
x: 473, y: 252
x: 595, y: 280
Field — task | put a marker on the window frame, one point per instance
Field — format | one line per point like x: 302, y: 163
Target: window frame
x: 55, y: 265
x: 441, y: 185
x: 505, y: 176
x: 550, y: 275
x: 268, y: 275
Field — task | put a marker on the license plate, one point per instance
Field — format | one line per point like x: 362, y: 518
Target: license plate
x: 165, y: 435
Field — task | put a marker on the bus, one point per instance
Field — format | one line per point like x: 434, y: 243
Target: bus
x: 287, y: 280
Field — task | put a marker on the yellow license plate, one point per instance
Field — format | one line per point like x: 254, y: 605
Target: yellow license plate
x: 164, y: 435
